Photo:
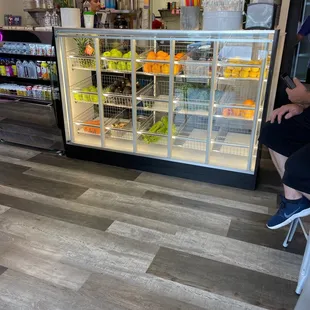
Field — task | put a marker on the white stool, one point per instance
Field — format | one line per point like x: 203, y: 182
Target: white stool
x: 305, y: 267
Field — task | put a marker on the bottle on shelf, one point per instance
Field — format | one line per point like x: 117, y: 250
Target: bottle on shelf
x: 26, y: 49
x: 25, y: 67
x: 2, y: 67
x: 44, y: 70
x: 8, y: 68
x: 20, y: 69
x: 47, y: 19
x: 55, y: 20
x: 39, y: 70
x: 14, y: 68
x: 32, y: 70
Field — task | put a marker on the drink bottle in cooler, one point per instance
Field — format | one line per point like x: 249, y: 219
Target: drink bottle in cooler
x: 2, y: 67
x: 44, y: 69
x: 8, y: 68
x: 14, y: 68
x: 20, y: 69
x: 39, y: 70
x: 32, y: 70
x: 25, y: 67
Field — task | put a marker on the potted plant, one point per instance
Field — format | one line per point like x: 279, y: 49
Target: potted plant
x: 69, y: 14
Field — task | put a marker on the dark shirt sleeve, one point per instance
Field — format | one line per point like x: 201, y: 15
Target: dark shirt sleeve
x: 305, y: 28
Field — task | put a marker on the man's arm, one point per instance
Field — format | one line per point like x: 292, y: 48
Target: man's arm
x: 304, y: 30
x: 299, y: 95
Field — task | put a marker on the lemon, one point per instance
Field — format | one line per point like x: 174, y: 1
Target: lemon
x: 253, y: 75
x: 255, y: 70
x: 227, y: 74
x: 244, y: 74
x: 235, y: 74
x: 230, y: 68
x: 257, y: 62
x: 238, y: 68
x: 246, y: 69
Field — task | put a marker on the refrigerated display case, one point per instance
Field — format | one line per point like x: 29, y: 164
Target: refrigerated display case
x: 29, y: 89
x: 188, y: 104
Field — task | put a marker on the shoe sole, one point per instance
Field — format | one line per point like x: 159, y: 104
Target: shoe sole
x: 291, y: 219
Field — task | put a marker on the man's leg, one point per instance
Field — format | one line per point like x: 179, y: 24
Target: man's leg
x: 292, y: 194
x: 279, y: 161
x: 296, y: 182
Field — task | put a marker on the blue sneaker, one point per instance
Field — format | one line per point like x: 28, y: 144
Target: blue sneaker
x: 288, y: 212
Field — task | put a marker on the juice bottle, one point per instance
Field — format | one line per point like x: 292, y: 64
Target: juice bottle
x: 44, y: 70
x: 2, y: 67
x: 8, y: 68
x: 14, y: 68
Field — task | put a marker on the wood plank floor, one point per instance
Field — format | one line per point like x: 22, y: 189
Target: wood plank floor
x: 84, y: 236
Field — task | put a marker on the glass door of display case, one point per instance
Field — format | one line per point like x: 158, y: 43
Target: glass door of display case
x: 193, y: 98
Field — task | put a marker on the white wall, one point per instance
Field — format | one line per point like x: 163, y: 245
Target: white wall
x: 158, y: 4
x: 14, y: 7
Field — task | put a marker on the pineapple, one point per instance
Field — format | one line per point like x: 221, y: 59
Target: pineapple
x: 82, y: 44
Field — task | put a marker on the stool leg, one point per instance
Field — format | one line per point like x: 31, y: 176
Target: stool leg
x: 305, y: 269
x: 291, y: 233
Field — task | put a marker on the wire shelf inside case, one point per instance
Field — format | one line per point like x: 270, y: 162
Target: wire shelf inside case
x: 121, y: 127
x: 116, y: 90
x: 88, y: 122
x: 188, y: 98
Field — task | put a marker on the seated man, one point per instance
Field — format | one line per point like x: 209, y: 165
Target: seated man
x: 287, y: 136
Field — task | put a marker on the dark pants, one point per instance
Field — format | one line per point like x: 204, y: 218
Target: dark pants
x: 291, y: 138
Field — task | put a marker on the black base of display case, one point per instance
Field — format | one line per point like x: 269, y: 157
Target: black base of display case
x: 175, y: 169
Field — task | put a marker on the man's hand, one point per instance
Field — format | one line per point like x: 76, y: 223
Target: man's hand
x: 299, y: 94
x: 288, y: 110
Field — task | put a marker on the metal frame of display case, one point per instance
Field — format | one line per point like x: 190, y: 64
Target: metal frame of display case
x: 165, y: 154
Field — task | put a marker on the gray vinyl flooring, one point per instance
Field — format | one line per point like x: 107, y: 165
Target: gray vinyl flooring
x: 80, y: 235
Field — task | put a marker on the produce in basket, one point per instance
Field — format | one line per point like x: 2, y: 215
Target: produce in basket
x: 164, y: 68
x: 86, y: 48
x: 93, y: 130
x: 191, y: 94
x: 161, y: 127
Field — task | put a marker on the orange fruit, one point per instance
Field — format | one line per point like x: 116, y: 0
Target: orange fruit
x: 236, y: 112
x: 179, y: 56
x: 157, y: 68
x: 162, y: 54
x: 248, y: 114
x: 249, y: 102
x: 165, y: 69
x: 176, y: 69
x: 148, y: 68
x: 151, y: 56
x: 160, y: 58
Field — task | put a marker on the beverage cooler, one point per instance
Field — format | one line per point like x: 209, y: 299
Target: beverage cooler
x: 188, y: 104
x: 29, y: 89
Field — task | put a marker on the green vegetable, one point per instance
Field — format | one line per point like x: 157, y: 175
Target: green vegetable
x: 161, y: 127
